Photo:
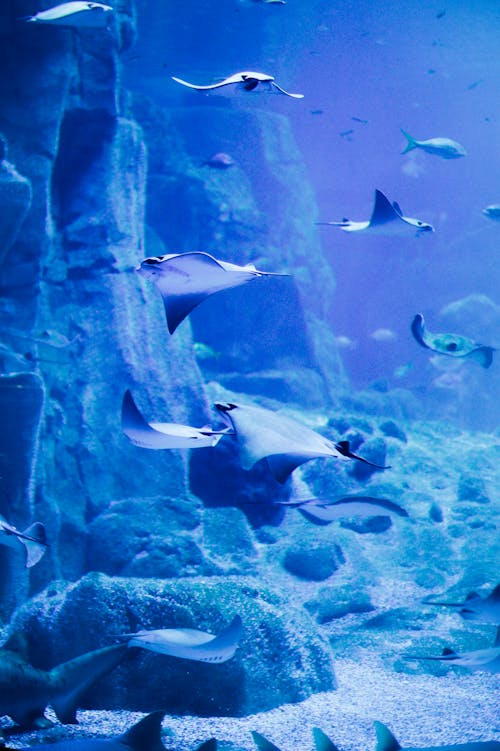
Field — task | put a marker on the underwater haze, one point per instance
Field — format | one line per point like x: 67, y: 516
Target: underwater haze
x: 249, y: 385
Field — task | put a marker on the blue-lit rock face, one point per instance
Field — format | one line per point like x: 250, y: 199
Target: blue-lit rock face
x: 280, y: 658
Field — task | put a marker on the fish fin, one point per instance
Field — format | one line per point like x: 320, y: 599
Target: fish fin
x: 210, y: 745
x: 397, y: 208
x: 287, y: 93
x: 447, y: 652
x: 282, y: 465
x: 71, y: 679
x: 201, y: 88
x: 322, y: 742
x: 419, y: 331
x: 386, y: 741
x: 383, y: 210
x: 411, y: 142
x: 145, y: 735
x: 343, y: 448
x: 178, y: 308
x: 311, y: 516
x: 484, y: 355
x: 471, y: 596
x: 132, y: 419
x: 262, y: 743
x: 34, y: 540
x: 495, y: 595
x: 496, y: 643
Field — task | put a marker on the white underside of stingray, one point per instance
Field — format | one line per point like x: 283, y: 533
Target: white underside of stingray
x: 284, y: 442
x: 190, y: 644
x: 387, y: 219
x: 75, y: 13
x: 186, y: 279
x: 163, y: 435
x: 248, y: 80
x: 32, y: 540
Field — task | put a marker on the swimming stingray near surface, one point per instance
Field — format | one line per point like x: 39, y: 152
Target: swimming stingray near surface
x: 145, y: 735
x: 33, y: 540
x: 164, y: 435
x: 247, y: 80
x: 476, y: 608
x: 324, y: 512
x: 282, y: 441
x: 386, y: 219
x: 453, y: 345
x: 487, y: 660
x: 186, y: 279
x: 75, y: 14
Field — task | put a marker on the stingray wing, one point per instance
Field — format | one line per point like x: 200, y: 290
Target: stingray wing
x: 185, y: 280
x: 236, y: 78
x: 262, y: 743
x: 287, y: 93
x: 322, y: 742
x: 383, y: 210
x: 362, y: 506
x: 419, y: 331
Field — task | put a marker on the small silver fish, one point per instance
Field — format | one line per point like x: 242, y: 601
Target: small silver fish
x: 492, y: 212
x: 446, y: 148
x: 76, y: 14
x: 384, y: 335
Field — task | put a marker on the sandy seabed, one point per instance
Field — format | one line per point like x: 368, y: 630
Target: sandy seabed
x: 421, y: 710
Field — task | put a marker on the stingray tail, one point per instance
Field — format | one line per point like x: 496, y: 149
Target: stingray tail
x: 412, y: 144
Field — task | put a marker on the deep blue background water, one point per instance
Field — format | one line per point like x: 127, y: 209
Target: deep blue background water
x: 432, y: 68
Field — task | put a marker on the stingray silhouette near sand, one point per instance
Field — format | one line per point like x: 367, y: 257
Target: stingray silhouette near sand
x: 281, y: 440
x: 324, y: 512
x: 387, y: 219
x: 476, y: 608
x: 486, y: 660
x: 186, y: 279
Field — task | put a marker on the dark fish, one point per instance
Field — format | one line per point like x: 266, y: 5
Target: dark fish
x: 476, y: 608
x: 453, y: 345
x: 33, y: 539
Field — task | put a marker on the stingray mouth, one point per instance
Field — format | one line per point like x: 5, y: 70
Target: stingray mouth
x: 425, y: 228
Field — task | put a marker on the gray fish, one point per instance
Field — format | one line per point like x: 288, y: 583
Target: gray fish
x: 476, y: 608
x: 189, y: 643
x: 453, y: 345
x: 76, y: 14
x: 25, y: 691
x: 145, y: 735
x: 247, y: 80
x: 33, y: 539
x: 164, y: 435
x: 321, y: 512
x: 487, y: 660
x: 284, y: 442
x: 387, y: 742
x: 186, y: 279
x: 446, y: 148
x: 386, y: 219
x: 492, y: 212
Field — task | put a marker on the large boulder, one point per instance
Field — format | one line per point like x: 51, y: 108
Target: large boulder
x: 280, y: 658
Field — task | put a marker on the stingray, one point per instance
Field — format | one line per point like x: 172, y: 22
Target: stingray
x: 453, y: 345
x: 282, y: 441
x: 321, y: 512
x: 73, y: 14
x: 386, y: 219
x: 476, y: 608
x: 387, y: 742
x: 33, y: 539
x: 186, y: 279
x: 246, y: 80
x: 487, y: 660
x: 189, y: 643
x: 164, y: 435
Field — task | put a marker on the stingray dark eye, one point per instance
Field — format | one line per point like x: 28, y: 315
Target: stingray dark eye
x: 452, y: 347
x: 151, y: 261
x: 419, y: 223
